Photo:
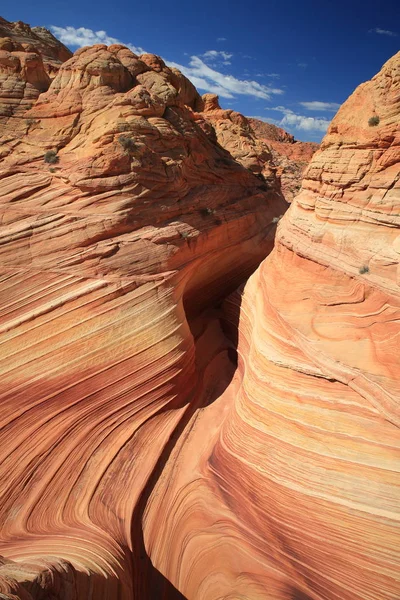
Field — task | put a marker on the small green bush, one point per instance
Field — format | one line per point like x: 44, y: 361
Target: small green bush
x: 373, y: 121
x: 127, y: 143
x: 51, y: 157
x: 52, y: 170
x: 184, y: 234
x: 206, y: 211
x: 363, y: 269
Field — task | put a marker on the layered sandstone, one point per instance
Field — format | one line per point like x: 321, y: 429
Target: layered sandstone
x: 289, y: 156
x: 123, y: 219
x: 293, y: 490
x: 29, y: 59
x: 234, y: 133
x: 35, y: 39
x: 155, y: 444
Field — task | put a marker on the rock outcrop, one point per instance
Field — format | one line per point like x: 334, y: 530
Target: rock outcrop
x: 287, y: 486
x: 29, y: 59
x: 234, y: 133
x: 35, y: 39
x: 289, y: 156
x: 154, y: 442
x: 122, y: 220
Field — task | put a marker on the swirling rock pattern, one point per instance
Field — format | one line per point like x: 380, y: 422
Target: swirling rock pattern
x: 138, y: 460
x: 112, y: 244
x: 293, y: 490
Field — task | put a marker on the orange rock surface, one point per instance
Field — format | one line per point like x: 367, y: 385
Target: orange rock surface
x: 287, y: 486
x: 122, y: 219
x: 35, y: 39
x: 234, y: 133
x: 139, y: 458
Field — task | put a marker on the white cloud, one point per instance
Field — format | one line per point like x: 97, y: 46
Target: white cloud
x: 320, y: 106
x: 383, y: 32
x: 292, y: 120
x: 215, y: 55
x: 273, y: 75
x: 305, y: 123
x: 221, y: 39
x: 226, y: 86
x: 303, y: 65
x: 81, y: 36
x: 202, y: 75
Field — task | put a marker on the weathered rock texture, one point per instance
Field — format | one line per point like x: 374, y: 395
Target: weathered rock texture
x: 29, y: 59
x: 35, y: 39
x: 289, y: 156
x: 234, y: 133
x: 287, y: 486
x: 137, y: 459
x: 109, y: 251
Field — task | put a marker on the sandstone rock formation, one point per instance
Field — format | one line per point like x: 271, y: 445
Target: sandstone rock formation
x: 155, y: 443
x: 233, y: 132
x: 293, y: 490
x: 289, y: 156
x: 122, y: 220
x: 35, y: 39
x: 29, y: 59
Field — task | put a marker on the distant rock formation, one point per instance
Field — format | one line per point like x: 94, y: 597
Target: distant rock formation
x: 161, y: 434
x: 34, y: 39
x: 289, y: 156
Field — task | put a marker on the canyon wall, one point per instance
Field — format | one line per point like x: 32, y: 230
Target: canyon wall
x: 287, y: 486
x: 289, y: 156
x: 122, y: 219
x: 163, y: 435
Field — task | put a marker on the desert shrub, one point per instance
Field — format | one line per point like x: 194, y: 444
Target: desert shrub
x: 184, y: 234
x: 127, y: 143
x: 277, y: 219
x: 52, y: 170
x: 206, y: 211
x: 51, y: 157
x: 373, y: 121
x: 363, y: 269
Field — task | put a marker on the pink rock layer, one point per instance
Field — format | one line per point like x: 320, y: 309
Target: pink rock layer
x: 122, y: 219
x: 287, y: 486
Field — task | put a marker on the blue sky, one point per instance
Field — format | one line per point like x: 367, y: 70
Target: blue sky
x: 290, y: 62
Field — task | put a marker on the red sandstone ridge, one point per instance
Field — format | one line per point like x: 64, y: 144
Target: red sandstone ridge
x: 139, y: 458
x: 34, y: 39
x: 288, y: 155
x: 233, y: 132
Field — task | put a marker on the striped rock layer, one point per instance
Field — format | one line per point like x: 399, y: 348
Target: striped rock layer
x: 287, y: 486
x: 155, y: 444
x: 122, y: 221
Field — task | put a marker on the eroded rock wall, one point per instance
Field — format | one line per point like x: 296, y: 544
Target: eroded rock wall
x: 293, y: 490
x: 122, y: 219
